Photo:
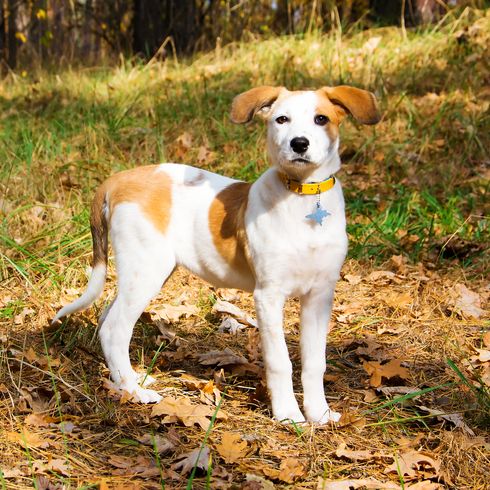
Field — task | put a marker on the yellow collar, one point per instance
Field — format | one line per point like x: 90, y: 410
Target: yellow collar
x: 308, y: 187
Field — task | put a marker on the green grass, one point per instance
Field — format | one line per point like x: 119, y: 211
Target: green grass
x: 421, y: 169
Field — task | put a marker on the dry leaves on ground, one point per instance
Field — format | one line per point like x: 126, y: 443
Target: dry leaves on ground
x: 412, y: 463
x: 173, y: 313
x: 232, y: 447
x: 289, y: 471
x: 182, y: 410
x: 378, y: 371
x: 199, y: 457
x: 140, y: 465
x: 466, y: 302
x: 365, y: 483
x: 225, y: 307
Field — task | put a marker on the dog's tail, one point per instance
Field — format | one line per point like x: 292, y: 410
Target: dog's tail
x: 99, y: 229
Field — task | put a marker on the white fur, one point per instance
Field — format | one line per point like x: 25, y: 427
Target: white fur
x: 291, y: 256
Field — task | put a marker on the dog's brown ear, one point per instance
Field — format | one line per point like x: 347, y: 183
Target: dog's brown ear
x: 360, y: 103
x: 253, y: 101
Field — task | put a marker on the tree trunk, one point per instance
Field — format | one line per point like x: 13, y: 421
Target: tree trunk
x: 156, y: 20
x: 12, y: 30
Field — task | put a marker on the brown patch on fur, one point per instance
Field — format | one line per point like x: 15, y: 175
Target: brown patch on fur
x: 226, y: 223
x: 334, y: 113
x: 360, y: 103
x: 150, y: 189
x: 249, y: 103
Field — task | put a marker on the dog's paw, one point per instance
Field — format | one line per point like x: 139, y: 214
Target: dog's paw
x: 144, y: 380
x: 325, y: 417
x: 142, y: 395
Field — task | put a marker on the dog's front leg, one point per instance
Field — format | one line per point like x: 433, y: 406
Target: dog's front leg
x: 269, y: 305
x: 315, y: 315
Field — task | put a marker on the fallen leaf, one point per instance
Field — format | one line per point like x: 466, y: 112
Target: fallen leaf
x: 60, y: 466
x: 362, y: 455
x: 380, y: 275
x: 222, y: 306
x: 405, y: 443
x: 171, y: 314
x: 12, y: 473
x: 232, y: 448
x: 181, y: 409
x: 483, y: 355
x: 20, y: 318
x: 377, y: 371
x: 352, y: 279
x: 289, y: 471
x: 454, y: 418
x: 158, y: 442
x: 224, y: 357
x: 397, y: 390
x: 371, y: 346
x: 37, y: 420
x: 209, y: 393
x: 229, y: 294
x: 466, y: 302
x: 141, y: 466
x: 399, y: 262
x: 365, y: 483
x: 352, y: 419
x: 255, y: 482
x: 396, y: 300
x: 230, y: 325
x: 205, y: 155
x: 425, y: 485
x: 200, y: 458
x: 486, y: 339
x: 411, y: 462
x: 29, y: 439
x: 184, y: 140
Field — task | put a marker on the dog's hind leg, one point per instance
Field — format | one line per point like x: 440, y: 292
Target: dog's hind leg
x: 144, y: 261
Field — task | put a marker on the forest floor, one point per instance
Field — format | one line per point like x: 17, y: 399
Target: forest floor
x: 409, y: 348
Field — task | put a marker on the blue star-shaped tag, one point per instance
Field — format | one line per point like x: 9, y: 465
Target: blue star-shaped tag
x: 319, y: 215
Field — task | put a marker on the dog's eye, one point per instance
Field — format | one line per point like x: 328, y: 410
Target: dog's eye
x: 321, y: 120
x: 282, y: 119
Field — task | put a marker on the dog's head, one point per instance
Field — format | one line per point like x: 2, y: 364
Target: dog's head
x: 303, y: 126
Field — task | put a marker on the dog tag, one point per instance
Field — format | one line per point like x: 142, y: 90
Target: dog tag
x: 319, y: 215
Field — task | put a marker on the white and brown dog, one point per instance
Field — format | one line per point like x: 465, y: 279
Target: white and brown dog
x: 282, y: 236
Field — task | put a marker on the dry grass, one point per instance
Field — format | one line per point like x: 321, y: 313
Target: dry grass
x: 415, y: 186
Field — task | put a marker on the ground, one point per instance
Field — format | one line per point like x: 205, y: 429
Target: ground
x: 409, y: 348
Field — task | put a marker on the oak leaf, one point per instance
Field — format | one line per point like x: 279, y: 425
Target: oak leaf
x: 181, y: 409
x: 158, y: 442
x: 367, y: 483
x: 378, y: 371
x: 466, y: 302
x: 200, y: 458
x: 289, y: 471
x: 232, y: 447
x: 224, y: 357
x: 141, y: 466
x: 225, y: 307
x: 29, y: 439
x: 411, y: 462
x: 171, y: 313
x: 362, y: 455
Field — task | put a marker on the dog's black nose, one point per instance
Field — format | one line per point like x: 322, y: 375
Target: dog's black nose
x: 300, y: 144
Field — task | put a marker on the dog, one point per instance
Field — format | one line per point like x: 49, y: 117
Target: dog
x: 282, y: 236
